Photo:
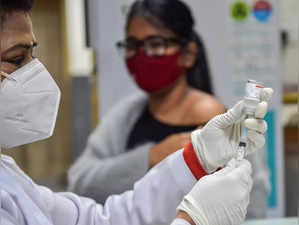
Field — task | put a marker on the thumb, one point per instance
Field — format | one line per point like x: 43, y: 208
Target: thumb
x: 234, y: 166
x: 233, y: 115
x: 228, y: 168
x: 266, y: 94
x: 243, y: 173
x: 244, y: 166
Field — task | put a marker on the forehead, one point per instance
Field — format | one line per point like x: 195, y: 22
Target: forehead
x: 17, y: 28
x: 141, y: 28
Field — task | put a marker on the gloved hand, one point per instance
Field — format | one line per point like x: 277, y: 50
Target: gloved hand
x: 220, y: 198
x: 217, y: 142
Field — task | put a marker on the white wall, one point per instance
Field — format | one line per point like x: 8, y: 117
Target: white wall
x: 80, y: 58
x: 290, y: 56
x: 107, y: 27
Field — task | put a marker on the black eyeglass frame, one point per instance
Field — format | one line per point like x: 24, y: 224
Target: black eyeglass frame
x: 121, y: 45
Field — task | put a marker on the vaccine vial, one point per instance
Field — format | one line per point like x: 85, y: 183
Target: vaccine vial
x: 252, y: 96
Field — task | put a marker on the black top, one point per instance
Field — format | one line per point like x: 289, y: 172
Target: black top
x: 148, y: 129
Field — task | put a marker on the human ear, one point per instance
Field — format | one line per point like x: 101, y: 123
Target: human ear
x: 188, y: 56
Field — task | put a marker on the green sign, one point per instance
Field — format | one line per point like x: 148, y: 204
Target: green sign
x: 240, y: 10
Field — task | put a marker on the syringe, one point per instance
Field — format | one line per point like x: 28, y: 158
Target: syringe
x: 251, y: 100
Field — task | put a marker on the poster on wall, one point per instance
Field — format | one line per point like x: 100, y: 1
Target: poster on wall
x: 254, y: 53
x: 253, y: 43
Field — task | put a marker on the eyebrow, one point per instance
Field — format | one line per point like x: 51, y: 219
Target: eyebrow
x: 25, y: 46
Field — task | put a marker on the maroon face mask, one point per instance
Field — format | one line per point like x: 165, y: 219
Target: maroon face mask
x: 153, y: 74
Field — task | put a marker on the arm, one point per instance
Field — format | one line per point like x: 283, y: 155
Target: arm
x: 7, y: 219
x: 98, y: 177
x: 105, y: 156
x: 153, y: 200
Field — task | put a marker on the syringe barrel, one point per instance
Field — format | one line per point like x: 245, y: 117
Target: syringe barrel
x: 251, y: 99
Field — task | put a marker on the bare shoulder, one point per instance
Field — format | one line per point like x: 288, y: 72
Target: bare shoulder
x: 207, y: 106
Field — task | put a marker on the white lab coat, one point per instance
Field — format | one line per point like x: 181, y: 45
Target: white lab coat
x: 153, y: 200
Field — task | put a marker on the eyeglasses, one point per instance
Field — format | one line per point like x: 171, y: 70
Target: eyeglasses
x: 153, y: 45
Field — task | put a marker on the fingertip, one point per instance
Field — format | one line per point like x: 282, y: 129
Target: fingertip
x: 232, y: 163
x: 227, y: 169
x: 256, y: 140
x: 243, y: 172
x: 261, y: 110
x: 266, y: 94
x: 245, y: 166
x: 256, y: 125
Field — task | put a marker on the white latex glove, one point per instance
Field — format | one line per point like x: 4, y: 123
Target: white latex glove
x: 220, y: 198
x: 217, y: 142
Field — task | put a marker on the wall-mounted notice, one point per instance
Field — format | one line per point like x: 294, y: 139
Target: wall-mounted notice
x: 254, y: 53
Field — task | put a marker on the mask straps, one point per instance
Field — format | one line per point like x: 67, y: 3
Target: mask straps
x: 2, y: 74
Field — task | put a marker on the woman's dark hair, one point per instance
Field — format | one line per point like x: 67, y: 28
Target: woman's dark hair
x: 16, y: 5
x: 177, y: 17
x: 9, y: 6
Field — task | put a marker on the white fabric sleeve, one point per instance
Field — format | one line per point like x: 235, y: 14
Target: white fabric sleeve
x: 180, y: 222
x: 106, y: 166
x: 6, y: 219
x: 153, y: 200
x: 98, y: 177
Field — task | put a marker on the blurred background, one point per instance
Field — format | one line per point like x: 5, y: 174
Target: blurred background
x: 71, y: 36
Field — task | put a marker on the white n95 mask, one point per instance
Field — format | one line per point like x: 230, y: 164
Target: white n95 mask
x: 29, y: 101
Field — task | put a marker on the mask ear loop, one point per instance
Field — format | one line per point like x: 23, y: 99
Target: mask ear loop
x: 2, y: 77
